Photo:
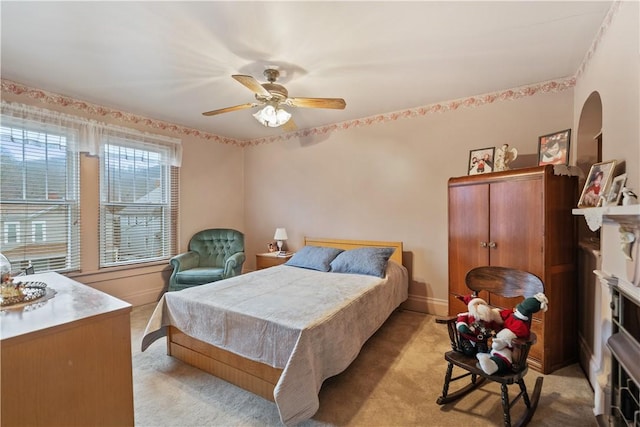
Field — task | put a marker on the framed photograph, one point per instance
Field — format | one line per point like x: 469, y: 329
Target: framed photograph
x: 481, y: 160
x: 595, y: 187
x: 553, y: 149
x: 615, y: 191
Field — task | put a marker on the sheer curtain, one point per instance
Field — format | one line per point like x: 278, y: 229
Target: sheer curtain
x: 90, y: 133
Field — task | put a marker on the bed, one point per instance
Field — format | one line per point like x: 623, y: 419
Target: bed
x: 281, y: 331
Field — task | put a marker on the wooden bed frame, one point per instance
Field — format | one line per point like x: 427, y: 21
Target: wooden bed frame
x: 250, y: 375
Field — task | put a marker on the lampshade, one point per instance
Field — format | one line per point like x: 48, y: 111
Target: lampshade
x: 272, y: 117
x: 281, y: 234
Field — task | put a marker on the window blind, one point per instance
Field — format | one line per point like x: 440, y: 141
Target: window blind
x: 138, y: 200
x: 39, y: 195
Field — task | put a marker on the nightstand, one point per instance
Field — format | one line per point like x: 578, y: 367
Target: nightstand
x: 270, y: 259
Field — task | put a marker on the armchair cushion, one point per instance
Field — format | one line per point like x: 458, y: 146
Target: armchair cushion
x: 200, y: 275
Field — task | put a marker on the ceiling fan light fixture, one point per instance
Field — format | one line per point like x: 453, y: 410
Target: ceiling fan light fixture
x: 272, y: 117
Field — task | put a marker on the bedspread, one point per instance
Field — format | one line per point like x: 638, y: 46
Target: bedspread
x: 311, y: 324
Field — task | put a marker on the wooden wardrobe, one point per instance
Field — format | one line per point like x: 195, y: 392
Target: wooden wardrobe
x: 520, y: 219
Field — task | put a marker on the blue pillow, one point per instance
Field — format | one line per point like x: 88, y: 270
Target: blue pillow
x: 314, y: 258
x: 369, y: 261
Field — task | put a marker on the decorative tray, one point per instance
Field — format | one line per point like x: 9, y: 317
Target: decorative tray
x: 31, y: 291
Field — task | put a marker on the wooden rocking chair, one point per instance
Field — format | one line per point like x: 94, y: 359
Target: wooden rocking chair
x: 507, y: 283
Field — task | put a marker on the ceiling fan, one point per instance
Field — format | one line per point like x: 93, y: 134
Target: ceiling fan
x: 273, y: 96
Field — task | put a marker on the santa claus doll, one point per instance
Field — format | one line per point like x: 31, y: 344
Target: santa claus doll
x: 477, y: 325
x: 516, y: 324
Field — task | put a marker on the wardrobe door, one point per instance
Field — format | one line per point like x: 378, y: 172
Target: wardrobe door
x: 468, y: 237
x: 517, y: 227
x: 516, y: 230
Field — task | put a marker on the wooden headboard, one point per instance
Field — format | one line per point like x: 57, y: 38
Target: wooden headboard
x: 352, y: 244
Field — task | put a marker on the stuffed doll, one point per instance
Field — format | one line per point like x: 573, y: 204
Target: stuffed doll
x: 477, y: 325
x: 515, y: 325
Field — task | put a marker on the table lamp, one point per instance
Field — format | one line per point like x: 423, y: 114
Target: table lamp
x: 280, y: 236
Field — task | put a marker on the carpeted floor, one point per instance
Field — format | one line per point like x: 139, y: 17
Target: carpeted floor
x: 395, y: 381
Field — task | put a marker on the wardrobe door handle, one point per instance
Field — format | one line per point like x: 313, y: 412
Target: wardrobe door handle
x: 483, y: 244
x: 492, y: 245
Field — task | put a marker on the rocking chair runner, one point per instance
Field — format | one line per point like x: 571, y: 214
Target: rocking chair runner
x: 508, y: 283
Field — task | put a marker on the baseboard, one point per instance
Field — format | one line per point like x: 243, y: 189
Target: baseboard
x: 423, y: 304
x: 587, y: 361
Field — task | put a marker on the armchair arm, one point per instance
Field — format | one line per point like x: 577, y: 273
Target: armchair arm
x: 233, y: 264
x: 185, y: 261
x: 181, y: 262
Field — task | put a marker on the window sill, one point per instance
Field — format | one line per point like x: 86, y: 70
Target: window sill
x: 119, y: 272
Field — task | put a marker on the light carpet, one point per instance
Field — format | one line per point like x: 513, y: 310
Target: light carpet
x: 395, y: 381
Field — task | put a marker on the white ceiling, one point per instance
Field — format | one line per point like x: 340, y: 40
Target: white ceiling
x: 171, y: 61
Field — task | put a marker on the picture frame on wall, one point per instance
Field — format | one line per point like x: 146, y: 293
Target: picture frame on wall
x: 595, y: 187
x: 615, y: 191
x: 553, y: 149
x: 481, y: 160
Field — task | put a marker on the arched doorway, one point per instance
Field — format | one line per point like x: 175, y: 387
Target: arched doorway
x: 588, y: 150
x: 589, y: 135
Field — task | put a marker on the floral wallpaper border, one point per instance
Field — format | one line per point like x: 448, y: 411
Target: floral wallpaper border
x: 440, y: 107
x: 129, y: 118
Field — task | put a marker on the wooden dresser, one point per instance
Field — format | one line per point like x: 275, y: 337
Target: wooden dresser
x: 66, y: 361
x: 520, y: 219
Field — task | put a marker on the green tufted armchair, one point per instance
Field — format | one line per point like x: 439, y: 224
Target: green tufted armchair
x: 214, y: 254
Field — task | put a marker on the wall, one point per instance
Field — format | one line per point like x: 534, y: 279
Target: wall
x: 385, y: 181
x: 388, y: 181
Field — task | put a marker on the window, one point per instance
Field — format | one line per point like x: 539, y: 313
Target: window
x: 11, y: 232
x: 39, y: 178
x: 38, y: 231
x: 138, y: 195
x: 40, y: 173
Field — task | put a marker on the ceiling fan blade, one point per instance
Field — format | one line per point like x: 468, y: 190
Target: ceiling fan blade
x: 229, y: 109
x: 336, y: 103
x: 252, y: 84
